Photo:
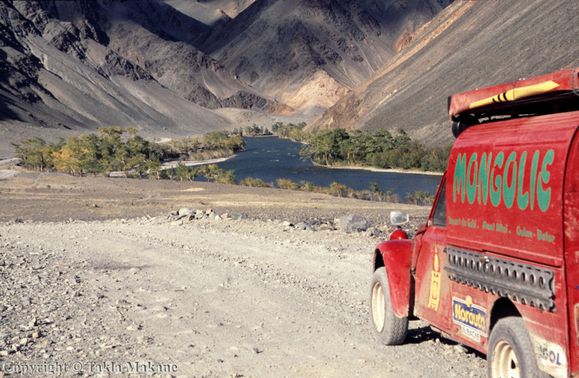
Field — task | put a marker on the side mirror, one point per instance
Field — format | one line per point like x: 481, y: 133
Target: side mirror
x: 398, y: 218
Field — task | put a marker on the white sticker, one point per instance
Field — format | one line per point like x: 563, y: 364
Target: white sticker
x: 551, y: 357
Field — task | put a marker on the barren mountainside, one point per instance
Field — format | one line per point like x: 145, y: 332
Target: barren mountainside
x: 183, y: 67
x: 174, y: 67
x: 470, y: 44
x: 309, y: 53
x: 58, y: 71
x: 211, y: 12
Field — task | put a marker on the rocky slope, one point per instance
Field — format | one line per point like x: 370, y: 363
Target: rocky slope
x: 470, y: 44
x: 166, y: 43
x: 58, y: 72
x: 307, y: 54
x: 160, y: 65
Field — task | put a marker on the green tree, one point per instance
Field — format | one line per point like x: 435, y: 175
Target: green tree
x: 183, y: 173
x: 326, y: 147
x: 153, y: 168
x: 35, y: 153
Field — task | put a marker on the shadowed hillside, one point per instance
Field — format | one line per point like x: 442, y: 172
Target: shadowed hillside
x: 307, y: 54
x: 160, y: 65
x: 211, y: 12
x: 470, y: 44
x: 58, y: 72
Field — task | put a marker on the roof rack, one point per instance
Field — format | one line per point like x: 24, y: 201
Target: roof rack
x: 547, y: 94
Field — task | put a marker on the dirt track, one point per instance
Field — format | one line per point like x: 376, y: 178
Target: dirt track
x: 214, y: 297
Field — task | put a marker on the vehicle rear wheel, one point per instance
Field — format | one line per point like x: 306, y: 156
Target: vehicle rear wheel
x: 511, y: 353
x: 391, y: 328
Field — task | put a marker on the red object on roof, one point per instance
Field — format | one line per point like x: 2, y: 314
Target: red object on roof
x: 566, y: 80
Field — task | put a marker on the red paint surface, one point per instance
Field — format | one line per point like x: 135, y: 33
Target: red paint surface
x: 557, y: 133
x: 396, y: 255
x: 571, y: 248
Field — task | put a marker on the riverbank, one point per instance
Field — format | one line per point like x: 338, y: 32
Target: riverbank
x: 193, y: 163
x: 383, y: 170
x: 49, y: 196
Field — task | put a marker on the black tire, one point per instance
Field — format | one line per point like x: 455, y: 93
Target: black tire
x: 391, y: 329
x: 511, y: 353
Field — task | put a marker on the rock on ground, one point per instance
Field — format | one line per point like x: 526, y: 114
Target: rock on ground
x: 354, y: 223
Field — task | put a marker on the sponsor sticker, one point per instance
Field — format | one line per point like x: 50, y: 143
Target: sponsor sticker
x: 470, y: 318
x: 434, y: 296
x: 551, y: 357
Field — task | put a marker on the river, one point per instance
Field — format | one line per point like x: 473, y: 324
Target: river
x: 270, y: 158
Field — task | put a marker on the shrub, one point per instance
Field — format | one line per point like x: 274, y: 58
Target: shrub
x: 308, y: 186
x: 284, y: 183
x: 254, y: 182
x: 214, y: 174
x: 380, y: 149
x: 339, y: 190
x: 225, y: 177
x: 184, y: 173
x: 420, y: 198
x: 36, y: 153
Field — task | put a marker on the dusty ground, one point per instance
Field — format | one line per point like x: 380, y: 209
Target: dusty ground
x: 54, y: 197
x: 247, y: 297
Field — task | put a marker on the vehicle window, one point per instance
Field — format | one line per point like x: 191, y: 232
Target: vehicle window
x: 439, y: 217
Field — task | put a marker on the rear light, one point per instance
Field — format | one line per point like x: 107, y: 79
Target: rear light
x: 398, y: 234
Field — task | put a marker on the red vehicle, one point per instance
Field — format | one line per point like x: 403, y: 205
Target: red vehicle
x: 495, y: 267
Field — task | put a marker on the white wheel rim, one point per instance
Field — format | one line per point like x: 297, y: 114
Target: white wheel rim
x: 505, y: 363
x: 378, y: 310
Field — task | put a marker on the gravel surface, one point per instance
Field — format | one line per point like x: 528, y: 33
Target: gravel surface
x: 207, y: 297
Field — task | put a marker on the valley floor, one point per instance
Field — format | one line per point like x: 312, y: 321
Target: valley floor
x: 90, y: 291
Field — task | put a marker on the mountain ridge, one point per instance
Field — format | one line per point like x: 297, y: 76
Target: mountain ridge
x: 468, y: 45
x: 122, y: 55
x: 342, y: 41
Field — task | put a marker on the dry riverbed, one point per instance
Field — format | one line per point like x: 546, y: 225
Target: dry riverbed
x: 238, y: 296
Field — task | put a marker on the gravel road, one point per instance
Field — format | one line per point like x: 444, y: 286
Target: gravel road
x: 237, y: 298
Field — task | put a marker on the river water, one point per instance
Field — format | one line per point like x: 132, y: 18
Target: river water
x: 270, y: 158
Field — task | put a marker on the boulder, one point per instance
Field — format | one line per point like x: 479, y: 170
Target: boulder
x: 303, y: 226
x: 353, y: 223
x: 184, y: 211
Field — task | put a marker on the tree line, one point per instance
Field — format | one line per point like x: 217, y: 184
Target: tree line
x: 381, y: 149
x: 337, y: 189
x: 116, y: 149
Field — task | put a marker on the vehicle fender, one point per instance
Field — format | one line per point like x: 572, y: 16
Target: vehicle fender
x: 396, y: 255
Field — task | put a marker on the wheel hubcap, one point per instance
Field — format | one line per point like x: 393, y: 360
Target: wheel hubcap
x: 505, y: 363
x: 378, y: 311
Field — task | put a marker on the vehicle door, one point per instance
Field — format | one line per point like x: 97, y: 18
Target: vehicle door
x: 432, y: 302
